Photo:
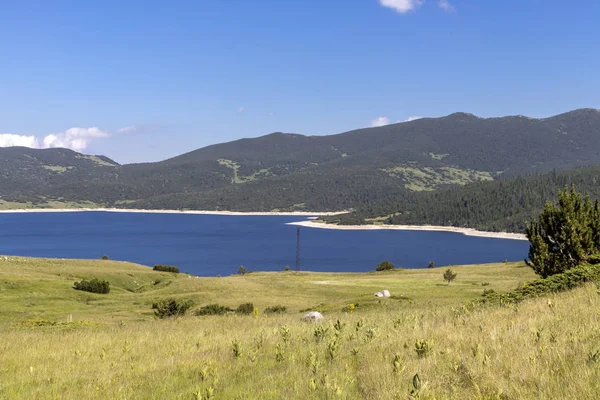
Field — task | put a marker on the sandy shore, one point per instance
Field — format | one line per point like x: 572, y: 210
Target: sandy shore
x: 55, y: 210
x: 464, y: 231
x: 308, y: 224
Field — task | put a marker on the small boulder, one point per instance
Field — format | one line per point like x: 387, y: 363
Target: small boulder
x: 386, y: 293
x: 313, y: 316
x: 378, y: 294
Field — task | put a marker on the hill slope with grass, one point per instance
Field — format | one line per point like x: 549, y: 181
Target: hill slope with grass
x: 296, y: 172
x: 545, y: 347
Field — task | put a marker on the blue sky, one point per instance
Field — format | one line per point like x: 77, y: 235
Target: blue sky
x: 156, y: 79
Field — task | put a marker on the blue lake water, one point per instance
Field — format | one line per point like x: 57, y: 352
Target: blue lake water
x: 210, y: 245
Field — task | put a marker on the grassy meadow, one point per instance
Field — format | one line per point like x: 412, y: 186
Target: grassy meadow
x: 59, y: 343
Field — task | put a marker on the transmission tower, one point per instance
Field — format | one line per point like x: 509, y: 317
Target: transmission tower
x: 298, y: 250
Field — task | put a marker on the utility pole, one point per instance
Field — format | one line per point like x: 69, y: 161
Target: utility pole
x: 298, y: 250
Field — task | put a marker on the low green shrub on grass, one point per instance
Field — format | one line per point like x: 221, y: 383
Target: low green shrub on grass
x: 93, y: 286
x: 166, y: 268
x: 171, y: 308
x: 385, y: 266
x: 212, y: 309
x: 279, y: 309
x: 245, y: 309
x: 562, y: 282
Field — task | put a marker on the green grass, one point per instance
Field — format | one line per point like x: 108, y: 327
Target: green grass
x: 237, y: 178
x: 115, y: 348
x: 429, y: 179
x: 47, y: 204
x: 56, y: 168
x: 27, y: 284
x: 438, y: 156
x: 97, y: 160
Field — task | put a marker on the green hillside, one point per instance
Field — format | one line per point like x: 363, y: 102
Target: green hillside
x: 295, y: 172
x: 61, y: 343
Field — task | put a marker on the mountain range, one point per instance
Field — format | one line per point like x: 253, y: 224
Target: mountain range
x: 283, y: 171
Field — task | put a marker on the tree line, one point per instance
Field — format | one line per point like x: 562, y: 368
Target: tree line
x: 502, y: 205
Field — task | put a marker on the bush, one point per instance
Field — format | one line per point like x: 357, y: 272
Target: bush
x: 431, y: 264
x: 93, y: 286
x: 275, y: 310
x: 105, y: 257
x: 212, y: 309
x: 385, y: 266
x: 242, y: 270
x: 568, y: 280
x: 166, y: 268
x: 171, y: 308
x: 246, y: 309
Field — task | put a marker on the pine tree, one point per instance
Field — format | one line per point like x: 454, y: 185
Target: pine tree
x: 564, y: 235
x: 449, y: 275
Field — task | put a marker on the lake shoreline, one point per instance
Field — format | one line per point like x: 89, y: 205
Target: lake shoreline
x: 306, y: 224
x: 196, y: 212
x: 428, y: 228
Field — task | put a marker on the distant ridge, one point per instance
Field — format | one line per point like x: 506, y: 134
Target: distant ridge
x: 293, y: 172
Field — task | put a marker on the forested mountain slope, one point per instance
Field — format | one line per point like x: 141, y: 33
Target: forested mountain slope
x: 295, y: 172
x: 502, y: 205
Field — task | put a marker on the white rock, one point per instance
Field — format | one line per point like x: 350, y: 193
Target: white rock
x: 313, y: 316
x: 386, y: 293
x: 378, y: 294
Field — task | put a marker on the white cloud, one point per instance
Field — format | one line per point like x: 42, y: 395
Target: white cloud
x: 381, y: 121
x: 9, y: 139
x: 446, y: 6
x: 128, y: 129
x: 241, y: 109
x: 413, y: 118
x: 75, y: 139
x: 401, y: 6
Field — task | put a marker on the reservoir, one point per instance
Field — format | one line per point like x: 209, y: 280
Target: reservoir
x: 210, y: 245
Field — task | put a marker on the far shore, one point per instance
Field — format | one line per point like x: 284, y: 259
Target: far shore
x: 200, y: 212
x: 464, y: 231
x: 307, y: 224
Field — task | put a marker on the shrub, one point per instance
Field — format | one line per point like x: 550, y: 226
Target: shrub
x: 287, y: 268
x: 275, y: 309
x: 431, y: 264
x: 385, y: 266
x: 449, y: 275
x: 246, y: 309
x: 166, y: 268
x: 93, y: 286
x: 242, y: 270
x: 556, y: 283
x: 171, y: 308
x: 212, y: 309
x: 105, y: 257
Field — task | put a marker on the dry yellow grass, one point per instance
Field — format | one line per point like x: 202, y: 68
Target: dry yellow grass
x: 541, y: 349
